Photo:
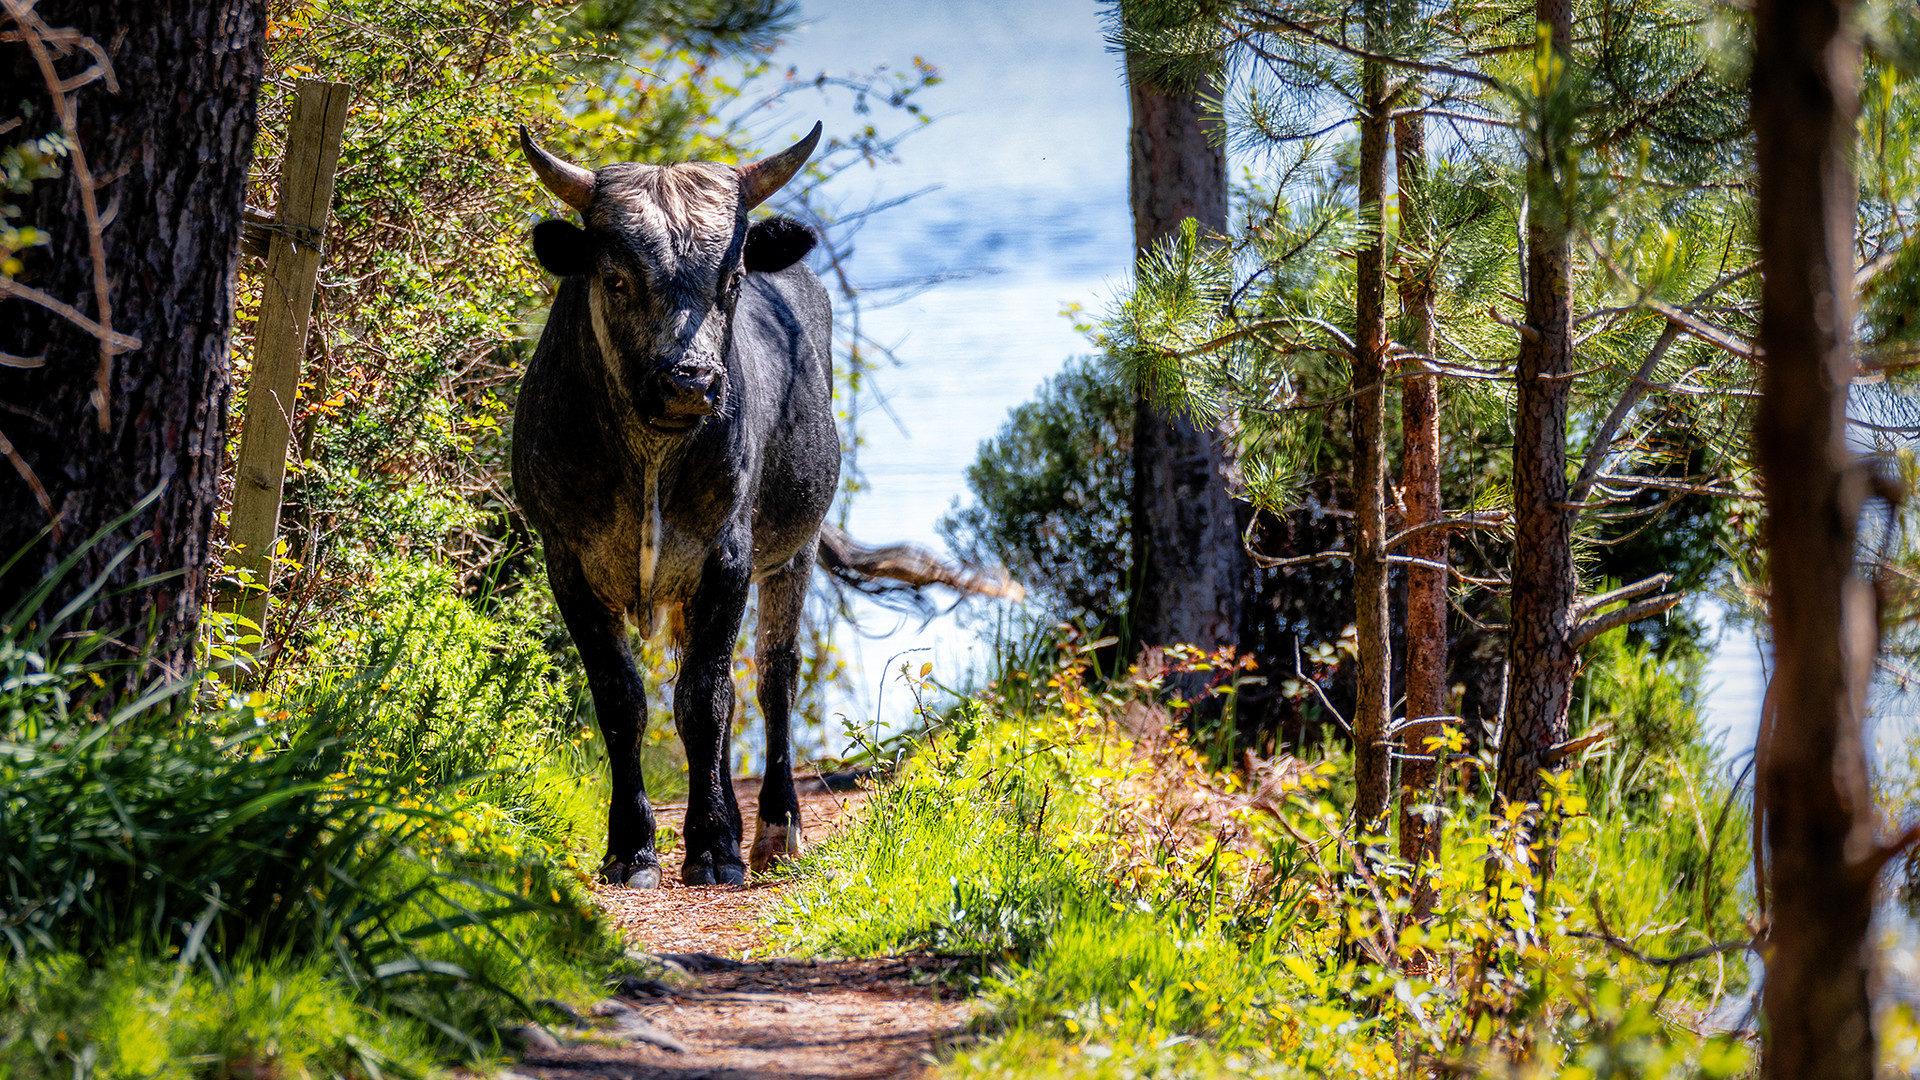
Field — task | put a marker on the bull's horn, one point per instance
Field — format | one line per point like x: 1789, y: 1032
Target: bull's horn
x: 570, y: 183
x: 766, y: 176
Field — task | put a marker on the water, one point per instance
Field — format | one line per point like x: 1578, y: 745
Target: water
x: 1028, y: 164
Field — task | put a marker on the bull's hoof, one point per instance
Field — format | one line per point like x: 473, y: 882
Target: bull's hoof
x: 773, y: 845
x: 702, y: 872
x: 634, y: 874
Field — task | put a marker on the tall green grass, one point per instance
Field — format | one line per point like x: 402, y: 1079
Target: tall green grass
x: 169, y: 856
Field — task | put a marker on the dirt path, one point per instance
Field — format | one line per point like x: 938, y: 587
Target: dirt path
x: 737, y: 1013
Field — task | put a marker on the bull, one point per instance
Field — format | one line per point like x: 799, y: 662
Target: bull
x: 674, y: 446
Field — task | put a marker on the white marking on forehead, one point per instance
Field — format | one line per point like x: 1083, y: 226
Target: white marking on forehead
x: 695, y: 206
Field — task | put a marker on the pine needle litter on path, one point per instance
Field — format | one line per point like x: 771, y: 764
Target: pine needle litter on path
x: 723, y: 1010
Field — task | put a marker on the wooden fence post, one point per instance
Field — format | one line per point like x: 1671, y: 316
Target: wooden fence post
x: 293, y: 243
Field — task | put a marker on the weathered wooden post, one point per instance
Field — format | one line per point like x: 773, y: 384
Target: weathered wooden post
x: 293, y: 244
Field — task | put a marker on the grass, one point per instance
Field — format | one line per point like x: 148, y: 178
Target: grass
x: 336, y: 878
x: 1128, y: 911
x: 142, y: 1017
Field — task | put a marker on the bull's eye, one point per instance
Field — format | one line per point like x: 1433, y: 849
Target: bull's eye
x: 733, y: 282
x: 614, y: 283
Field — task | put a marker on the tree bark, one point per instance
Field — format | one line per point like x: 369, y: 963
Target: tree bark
x: 1540, y: 646
x: 1374, y: 667
x: 1188, y: 562
x: 1426, y: 641
x: 1818, y: 810
x: 168, y: 150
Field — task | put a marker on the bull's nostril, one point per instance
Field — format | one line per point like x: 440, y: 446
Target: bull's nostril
x: 689, y: 393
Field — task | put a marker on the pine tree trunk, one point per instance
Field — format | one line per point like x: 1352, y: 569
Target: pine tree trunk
x: 1426, y: 660
x: 1818, y: 808
x: 1188, y: 562
x: 169, y: 153
x: 1540, y: 643
x: 1374, y: 669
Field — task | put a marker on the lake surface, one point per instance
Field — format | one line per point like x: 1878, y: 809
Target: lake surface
x: 1027, y: 162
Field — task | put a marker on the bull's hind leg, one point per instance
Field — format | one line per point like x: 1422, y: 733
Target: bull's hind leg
x: 620, y: 706
x: 776, y: 650
x: 703, y: 708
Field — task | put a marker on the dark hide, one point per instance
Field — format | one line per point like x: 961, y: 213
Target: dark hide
x: 674, y: 451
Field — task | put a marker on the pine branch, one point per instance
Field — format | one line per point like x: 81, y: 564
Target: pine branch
x: 1588, y: 629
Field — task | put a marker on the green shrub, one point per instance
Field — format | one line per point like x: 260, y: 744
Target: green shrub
x: 1051, y: 496
x: 1125, y: 913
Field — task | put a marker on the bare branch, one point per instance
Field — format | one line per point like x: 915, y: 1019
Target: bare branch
x: 1515, y: 325
x: 26, y: 473
x: 1281, y: 21
x: 1491, y: 519
x: 1588, y: 629
x: 1706, y: 332
x: 1607, y: 935
x: 109, y: 338
x: 1625, y: 592
x: 37, y: 34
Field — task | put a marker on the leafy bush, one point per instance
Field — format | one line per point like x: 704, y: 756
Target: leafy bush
x: 62, y: 1018
x: 478, y: 691
x: 1051, y: 497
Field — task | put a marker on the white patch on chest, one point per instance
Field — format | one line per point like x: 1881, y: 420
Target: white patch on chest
x: 651, y: 527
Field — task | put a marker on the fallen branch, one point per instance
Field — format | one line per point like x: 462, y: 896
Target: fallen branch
x: 1608, y: 937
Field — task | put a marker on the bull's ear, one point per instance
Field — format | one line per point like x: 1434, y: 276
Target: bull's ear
x: 777, y: 243
x: 563, y: 248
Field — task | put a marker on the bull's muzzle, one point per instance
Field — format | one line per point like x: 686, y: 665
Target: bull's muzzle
x: 687, y: 395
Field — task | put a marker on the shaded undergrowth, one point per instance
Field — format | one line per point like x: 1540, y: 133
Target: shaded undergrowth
x: 360, y: 874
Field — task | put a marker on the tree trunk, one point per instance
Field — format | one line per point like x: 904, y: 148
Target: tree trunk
x: 1818, y: 809
x: 1540, y: 642
x: 1188, y: 563
x: 167, y: 151
x: 1426, y: 642
x: 1374, y: 669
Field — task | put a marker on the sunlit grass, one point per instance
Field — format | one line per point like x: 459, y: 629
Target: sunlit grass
x: 1124, y: 911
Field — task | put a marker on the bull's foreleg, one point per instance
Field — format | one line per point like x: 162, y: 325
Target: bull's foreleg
x: 703, y: 710
x: 620, y: 706
x: 783, y: 593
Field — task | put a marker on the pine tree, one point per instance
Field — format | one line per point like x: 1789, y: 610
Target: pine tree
x: 1187, y: 557
x: 1818, y: 806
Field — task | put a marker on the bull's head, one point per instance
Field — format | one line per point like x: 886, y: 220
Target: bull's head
x: 664, y: 252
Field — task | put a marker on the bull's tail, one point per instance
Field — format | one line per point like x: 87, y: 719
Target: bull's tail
x: 898, y: 575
